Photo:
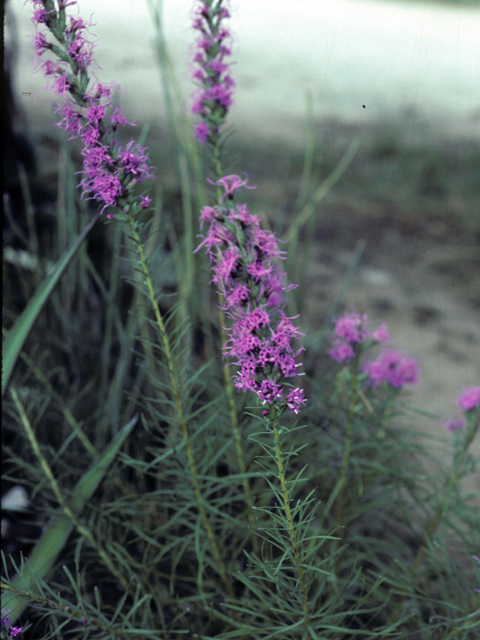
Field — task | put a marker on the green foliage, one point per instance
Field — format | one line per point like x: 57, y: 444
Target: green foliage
x: 324, y: 529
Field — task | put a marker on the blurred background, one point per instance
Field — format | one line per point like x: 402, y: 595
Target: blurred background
x: 312, y: 75
x: 362, y: 61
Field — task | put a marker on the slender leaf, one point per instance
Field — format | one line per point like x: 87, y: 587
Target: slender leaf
x: 24, y: 323
x: 59, y: 527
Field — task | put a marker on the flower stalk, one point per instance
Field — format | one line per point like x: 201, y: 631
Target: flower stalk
x: 353, y: 336
x: 87, y: 112
x: 212, y: 101
x: 110, y: 172
x: 82, y: 530
x: 296, y: 548
x: 469, y: 401
x: 347, y: 449
x: 472, y: 428
x: 162, y: 332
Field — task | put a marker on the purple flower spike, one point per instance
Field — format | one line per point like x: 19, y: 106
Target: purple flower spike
x: 243, y: 261
x: 214, y: 96
x: 109, y: 170
x: 469, y: 398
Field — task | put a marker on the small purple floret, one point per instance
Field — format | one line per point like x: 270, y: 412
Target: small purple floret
x: 469, y: 398
x: 392, y: 367
x: 352, y: 329
x: 454, y: 425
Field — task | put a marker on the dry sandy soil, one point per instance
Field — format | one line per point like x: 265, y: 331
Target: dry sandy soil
x: 394, y: 58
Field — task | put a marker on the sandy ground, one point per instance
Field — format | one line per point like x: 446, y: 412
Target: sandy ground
x: 395, y: 58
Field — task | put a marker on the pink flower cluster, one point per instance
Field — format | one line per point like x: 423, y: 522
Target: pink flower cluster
x: 392, y: 367
x: 109, y: 170
x: 13, y: 632
x: 353, y: 334
x: 468, y: 400
x: 243, y: 261
x: 454, y: 425
x: 214, y: 96
x: 351, y: 330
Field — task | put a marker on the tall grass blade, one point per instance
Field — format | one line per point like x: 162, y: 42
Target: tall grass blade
x: 23, y: 325
x: 59, y: 527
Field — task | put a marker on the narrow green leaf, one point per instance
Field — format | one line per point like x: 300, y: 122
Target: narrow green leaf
x: 59, y: 527
x: 20, y: 330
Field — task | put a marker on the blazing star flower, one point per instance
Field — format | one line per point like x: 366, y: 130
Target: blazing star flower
x: 213, y: 98
x: 242, y: 258
x: 145, y: 200
x: 231, y: 184
x: 454, y: 425
x: 469, y: 398
x: 109, y: 170
x: 341, y: 351
x: 352, y: 329
x: 13, y: 632
x: 392, y: 367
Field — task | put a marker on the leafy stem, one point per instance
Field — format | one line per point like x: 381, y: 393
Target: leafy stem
x: 229, y: 385
x: 473, y: 425
x: 66, y: 508
x: 288, y: 513
x: 459, y: 461
x: 348, y: 446
x: 150, y: 292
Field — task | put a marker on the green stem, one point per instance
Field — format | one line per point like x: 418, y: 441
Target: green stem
x: 459, y: 461
x: 229, y: 387
x: 72, y: 423
x: 178, y: 403
x: 218, y: 172
x: 84, y: 531
x: 346, y: 452
x: 291, y: 528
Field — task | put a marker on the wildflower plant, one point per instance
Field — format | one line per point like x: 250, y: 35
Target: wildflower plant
x: 166, y: 497
x: 214, y: 95
x: 86, y: 110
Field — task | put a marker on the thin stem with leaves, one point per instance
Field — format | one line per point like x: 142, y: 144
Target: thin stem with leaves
x: 175, y: 389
